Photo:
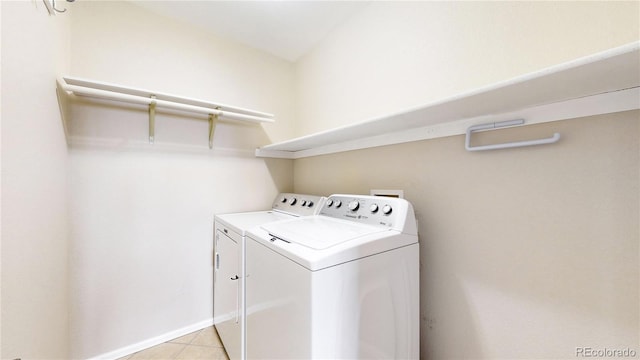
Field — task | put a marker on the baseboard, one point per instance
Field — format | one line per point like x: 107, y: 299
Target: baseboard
x: 145, y: 344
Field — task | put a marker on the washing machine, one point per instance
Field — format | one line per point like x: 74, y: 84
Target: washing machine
x: 229, y: 242
x: 343, y: 284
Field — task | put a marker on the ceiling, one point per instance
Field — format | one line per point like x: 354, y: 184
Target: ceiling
x: 287, y: 29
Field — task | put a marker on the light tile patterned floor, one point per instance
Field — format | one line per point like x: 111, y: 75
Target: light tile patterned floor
x: 202, y: 344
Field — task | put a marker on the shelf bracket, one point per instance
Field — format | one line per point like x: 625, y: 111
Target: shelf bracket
x: 502, y: 124
x: 152, y: 119
x: 213, y: 121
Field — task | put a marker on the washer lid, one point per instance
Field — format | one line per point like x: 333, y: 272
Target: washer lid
x: 319, y: 232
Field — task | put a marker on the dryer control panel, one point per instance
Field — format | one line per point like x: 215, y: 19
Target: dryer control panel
x: 389, y: 212
x: 298, y: 204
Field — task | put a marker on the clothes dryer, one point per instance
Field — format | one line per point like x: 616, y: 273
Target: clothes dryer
x: 230, y: 231
x: 340, y: 285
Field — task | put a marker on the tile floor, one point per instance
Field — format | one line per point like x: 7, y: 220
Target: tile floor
x: 202, y: 344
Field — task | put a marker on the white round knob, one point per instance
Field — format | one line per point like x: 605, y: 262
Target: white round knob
x: 304, y: 203
x: 329, y: 203
x: 309, y: 203
x: 387, y: 209
x: 374, y: 208
x: 283, y: 200
x: 293, y: 201
x: 354, y: 205
x: 338, y: 203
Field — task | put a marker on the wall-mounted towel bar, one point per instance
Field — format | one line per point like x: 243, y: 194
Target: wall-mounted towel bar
x: 502, y: 124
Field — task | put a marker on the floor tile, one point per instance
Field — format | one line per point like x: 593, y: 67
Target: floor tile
x: 207, y: 337
x: 162, y: 351
x: 186, y: 339
x: 202, y: 352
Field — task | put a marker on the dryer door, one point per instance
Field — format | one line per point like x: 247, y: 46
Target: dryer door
x: 226, y: 293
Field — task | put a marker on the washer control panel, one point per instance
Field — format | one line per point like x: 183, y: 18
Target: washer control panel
x: 373, y: 210
x: 298, y: 204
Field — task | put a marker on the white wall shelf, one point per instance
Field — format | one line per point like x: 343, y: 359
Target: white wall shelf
x: 601, y: 83
x: 70, y: 86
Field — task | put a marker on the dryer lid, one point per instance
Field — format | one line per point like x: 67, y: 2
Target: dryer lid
x: 320, y: 232
x: 241, y: 222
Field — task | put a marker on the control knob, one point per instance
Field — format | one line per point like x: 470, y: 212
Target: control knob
x: 387, y: 210
x: 304, y: 203
x: 283, y: 200
x: 329, y: 203
x: 293, y: 201
x: 309, y: 203
x: 354, y: 205
x: 374, y: 208
x: 338, y: 203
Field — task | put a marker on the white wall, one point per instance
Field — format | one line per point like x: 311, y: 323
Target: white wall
x: 35, y: 301
x: 394, y: 55
x: 525, y: 253
x: 142, y: 229
x: 0, y: 183
x: 141, y: 215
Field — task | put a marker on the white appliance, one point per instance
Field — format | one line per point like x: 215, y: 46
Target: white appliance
x: 340, y: 285
x: 228, y: 283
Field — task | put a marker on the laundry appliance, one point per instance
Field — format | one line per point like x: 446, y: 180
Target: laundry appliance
x: 230, y: 231
x: 343, y: 284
